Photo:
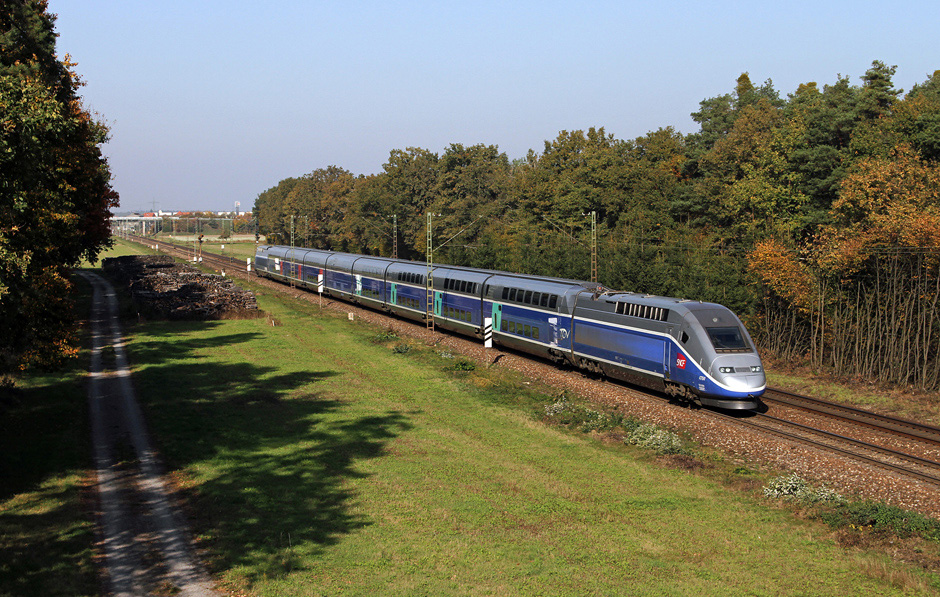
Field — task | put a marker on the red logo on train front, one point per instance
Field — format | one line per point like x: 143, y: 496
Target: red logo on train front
x: 680, y: 361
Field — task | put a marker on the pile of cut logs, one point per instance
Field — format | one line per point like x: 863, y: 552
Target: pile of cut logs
x: 163, y: 288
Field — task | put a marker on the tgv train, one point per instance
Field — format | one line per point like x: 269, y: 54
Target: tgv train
x: 694, y: 351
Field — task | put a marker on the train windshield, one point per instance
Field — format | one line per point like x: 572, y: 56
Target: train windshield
x: 728, y: 339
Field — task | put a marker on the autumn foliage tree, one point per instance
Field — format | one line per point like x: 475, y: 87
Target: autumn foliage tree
x: 55, y: 195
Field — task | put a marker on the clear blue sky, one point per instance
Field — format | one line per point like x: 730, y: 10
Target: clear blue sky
x: 212, y: 102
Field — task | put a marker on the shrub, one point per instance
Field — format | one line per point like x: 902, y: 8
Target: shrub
x: 567, y: 413
x: 656, y: 438
x: 882, y: 517
x: 793, y: 487
x: 402, y: 349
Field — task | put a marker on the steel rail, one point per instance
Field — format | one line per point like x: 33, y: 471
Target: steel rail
x: 893, y: 425
x: 828, y: 447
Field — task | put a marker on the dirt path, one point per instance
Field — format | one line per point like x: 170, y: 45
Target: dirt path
x: 144, y: 541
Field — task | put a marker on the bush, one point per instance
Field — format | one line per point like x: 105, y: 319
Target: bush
x: 793, y: 487
x: 655, y: 438
x: 586, y: 420
x: 882, y: 517
x: 402, y: 349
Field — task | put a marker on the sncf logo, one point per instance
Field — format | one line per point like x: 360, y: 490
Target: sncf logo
x: 680, y: 361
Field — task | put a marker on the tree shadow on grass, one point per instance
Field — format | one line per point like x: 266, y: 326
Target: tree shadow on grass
x: 269, y: 454
x: 45, y: 549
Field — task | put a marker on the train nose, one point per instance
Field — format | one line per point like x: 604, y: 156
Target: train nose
x: 740, y: 375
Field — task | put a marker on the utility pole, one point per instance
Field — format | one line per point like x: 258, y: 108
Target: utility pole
x: 395, y: 236
x: 429, y: 303
x: 291, y: 251
x: 594, y: 246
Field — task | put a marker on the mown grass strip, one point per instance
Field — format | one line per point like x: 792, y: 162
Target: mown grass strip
x: 319, y: 461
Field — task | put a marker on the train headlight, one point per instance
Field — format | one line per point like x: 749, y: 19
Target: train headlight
x: 756, y: 368
x: 726, y: 369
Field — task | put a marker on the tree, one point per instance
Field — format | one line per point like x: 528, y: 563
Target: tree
x: 56, y: 196
x: 470, y: 192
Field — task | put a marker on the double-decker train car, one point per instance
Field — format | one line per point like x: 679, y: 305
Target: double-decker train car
x: 694, y: 351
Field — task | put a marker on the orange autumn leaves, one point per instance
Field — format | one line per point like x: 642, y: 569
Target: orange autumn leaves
x: 890, y: 202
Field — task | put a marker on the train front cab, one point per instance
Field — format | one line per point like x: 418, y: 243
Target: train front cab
x: 731, y: 374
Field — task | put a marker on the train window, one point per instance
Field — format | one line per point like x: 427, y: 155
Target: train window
x: 486, y: 289
x: 728, y: 339
x: 512, y: 327
x: 535, y: 332
x: 463, y: 286
x: 528, y: 331
x: 683, y: 337
x: 474, y: 288
x: 512, y: 294
x: 466, y: 316
x: 528, y: 297
x: 536, y: 298
x: 505, y: 293
x: 554, y: 302
x: 505, y: 326
x: 544, y: 302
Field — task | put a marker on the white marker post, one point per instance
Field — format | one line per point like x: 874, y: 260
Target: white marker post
x: 488, y: 332
x: 248, y: 259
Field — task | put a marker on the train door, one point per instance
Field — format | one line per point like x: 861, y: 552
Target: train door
x: 438, y: 303
x: 667, y: 354
x: 394, y: 298
x: 497, y: 317
x: 553, y: 327
x: 358, y: 285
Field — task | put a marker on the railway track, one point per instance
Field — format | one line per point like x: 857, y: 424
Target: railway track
x: 901, y: 446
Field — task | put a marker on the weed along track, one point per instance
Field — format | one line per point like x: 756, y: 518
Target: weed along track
x: 145, y: 544
x: 731, y: 434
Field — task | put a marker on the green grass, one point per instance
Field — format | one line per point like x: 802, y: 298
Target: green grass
x: 46, y: 504
x: 46, y: 526
x: 318, y: 460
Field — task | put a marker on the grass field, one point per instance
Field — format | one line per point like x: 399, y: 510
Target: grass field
x: 323, y: 457
x: 319, y: 460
